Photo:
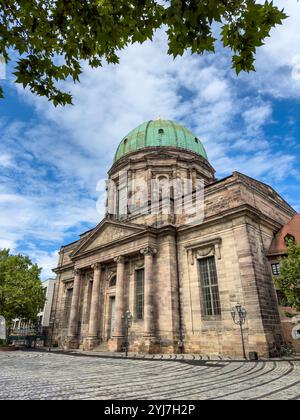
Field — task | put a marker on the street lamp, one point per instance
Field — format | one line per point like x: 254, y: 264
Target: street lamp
x: 238, y: 315
x: 127, y: 319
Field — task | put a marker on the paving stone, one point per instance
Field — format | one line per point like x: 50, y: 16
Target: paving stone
x: 38, y: 375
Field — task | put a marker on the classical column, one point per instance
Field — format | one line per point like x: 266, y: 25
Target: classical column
x: 73, y: 321
x: 94, y: 314
x: 118, y: 330
x: 148, y: 253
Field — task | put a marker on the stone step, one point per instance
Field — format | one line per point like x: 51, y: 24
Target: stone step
x: 103, y: 347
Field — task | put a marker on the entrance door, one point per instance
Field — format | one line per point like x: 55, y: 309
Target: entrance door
x: 112, y: 315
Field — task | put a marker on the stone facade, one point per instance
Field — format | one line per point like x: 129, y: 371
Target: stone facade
x: 97, y: 275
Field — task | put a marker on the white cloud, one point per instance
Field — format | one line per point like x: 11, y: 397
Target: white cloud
x: 44, y: 259
x: 5, y: 160
x: 53, y: 162
x: 257, y: 116
x: 277, y: 61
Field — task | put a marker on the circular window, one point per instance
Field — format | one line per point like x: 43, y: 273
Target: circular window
x: 161, y: 131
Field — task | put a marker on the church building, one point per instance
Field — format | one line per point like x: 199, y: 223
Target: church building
x: 176, y: 251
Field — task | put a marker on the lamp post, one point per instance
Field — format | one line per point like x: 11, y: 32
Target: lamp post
x: 238, y: 315
x: 127, y: 319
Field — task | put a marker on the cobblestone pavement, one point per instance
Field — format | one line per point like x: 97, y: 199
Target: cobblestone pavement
x: 42, y: 375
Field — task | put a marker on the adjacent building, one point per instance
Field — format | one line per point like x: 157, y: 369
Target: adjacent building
x: 43, y: 320
x: 178, y: 267
x: 278, y: 250
x: 44, y: 315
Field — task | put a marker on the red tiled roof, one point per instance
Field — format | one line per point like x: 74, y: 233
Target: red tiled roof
x: 278, y: 245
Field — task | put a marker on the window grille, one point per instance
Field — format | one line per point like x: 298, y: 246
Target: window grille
x: 209, y: 286
x: 275, y: 269
x: 139, y: 293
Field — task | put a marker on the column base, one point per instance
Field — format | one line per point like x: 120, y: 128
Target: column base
x: 71, y: 343
x: 149, y: 345
x: 89, y: 343
x: 116, y: 344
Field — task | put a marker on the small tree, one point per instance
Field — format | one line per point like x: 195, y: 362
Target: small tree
x: 21, y: 291
x: 289, y: 280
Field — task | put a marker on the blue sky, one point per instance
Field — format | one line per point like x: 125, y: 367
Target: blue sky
x: 53, y: 161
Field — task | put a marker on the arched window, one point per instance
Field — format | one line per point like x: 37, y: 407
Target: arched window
x: 161, y: 131
x: 113, y: 281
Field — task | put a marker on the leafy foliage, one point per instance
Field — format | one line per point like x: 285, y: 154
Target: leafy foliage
x: 51, y: 37
x: 289, y: 280
x: 21, y: 292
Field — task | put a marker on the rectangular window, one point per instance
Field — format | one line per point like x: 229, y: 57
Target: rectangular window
x: 139, y: 293
x: 209, y: 286
x: 67, y: 309
x: 275, y: 269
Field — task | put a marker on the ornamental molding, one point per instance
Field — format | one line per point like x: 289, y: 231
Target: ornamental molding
x: 149, y: 251
x: 77, y: 272
x: 96, y: 266
x: 90, y: 277
x: 204, y: 249
x: 135, y: 265
x: 120, y: 259
x: 111, y: 271
x: 67, y: 280
x: 110, y: 274
x: 68, y: 286
x: 139, y: 264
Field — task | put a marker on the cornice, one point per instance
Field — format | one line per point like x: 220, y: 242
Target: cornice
x: 62, y: 268
x: 242, y: 210
x: 241, y: 179
x: 127, y: 159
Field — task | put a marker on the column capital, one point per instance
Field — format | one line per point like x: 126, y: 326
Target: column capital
x: 120, y: 259
x: 96, y: 266
x: 148, y: 251
x: 77, y: 272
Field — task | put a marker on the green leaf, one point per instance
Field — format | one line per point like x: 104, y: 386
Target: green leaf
x: 53, y: 38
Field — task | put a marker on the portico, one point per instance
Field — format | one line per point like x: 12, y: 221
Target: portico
x: 113, y: 292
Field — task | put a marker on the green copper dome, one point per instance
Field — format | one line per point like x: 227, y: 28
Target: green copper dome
x: 160, y: 133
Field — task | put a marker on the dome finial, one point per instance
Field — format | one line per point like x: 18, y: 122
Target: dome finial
x: 159, y: 118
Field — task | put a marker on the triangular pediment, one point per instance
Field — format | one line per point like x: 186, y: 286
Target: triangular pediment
x: 107, y: 232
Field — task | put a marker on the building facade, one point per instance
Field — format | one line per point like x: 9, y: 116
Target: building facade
x: 177, y: 266
x: 43, y: 317
x: 278, y: 250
